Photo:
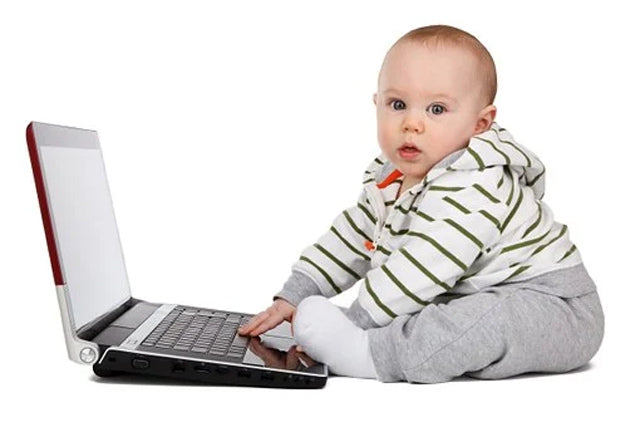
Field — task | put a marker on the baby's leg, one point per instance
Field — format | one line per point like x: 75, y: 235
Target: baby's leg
x: 327, y: 335
x: 499, y: 332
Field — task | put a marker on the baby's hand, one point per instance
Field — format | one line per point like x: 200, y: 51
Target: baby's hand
x: 279, y: 311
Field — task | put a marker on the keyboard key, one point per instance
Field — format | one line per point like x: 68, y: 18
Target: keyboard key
x: 200, y: 331
x: 181, y: 347
x: 240, y: 341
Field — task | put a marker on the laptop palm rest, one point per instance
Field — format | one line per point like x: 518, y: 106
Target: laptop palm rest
x: 123, y: 326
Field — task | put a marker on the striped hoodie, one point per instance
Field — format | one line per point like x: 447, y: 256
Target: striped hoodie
x: 475, y: 220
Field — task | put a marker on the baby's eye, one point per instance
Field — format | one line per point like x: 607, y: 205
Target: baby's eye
x: 436, y: 109
x: 397, y: 104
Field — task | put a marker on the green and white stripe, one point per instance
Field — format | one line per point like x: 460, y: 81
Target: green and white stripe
x: 475, y: 220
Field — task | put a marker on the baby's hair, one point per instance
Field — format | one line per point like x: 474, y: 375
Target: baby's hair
x: 435, y: 35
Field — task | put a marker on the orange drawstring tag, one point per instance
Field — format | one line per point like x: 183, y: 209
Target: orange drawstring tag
x: 369, y: 245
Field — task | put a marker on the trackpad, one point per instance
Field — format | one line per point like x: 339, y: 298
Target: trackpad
x: 282, y: 330
x: 279, y: 352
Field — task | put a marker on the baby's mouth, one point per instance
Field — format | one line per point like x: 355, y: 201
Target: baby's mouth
x: 408, y: 151
x: 409, y: 145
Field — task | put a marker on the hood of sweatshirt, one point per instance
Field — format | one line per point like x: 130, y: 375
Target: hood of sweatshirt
x: 494, y: 147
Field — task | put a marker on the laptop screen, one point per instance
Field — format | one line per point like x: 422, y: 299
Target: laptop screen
x: 83, y: 220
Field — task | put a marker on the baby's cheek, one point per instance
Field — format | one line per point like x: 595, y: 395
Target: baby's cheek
x: 385, y: 140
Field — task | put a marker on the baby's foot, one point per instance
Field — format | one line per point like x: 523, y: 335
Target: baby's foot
x: 328, y: 336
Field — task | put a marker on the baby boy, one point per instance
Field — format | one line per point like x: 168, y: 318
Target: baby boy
x: 464, y: 270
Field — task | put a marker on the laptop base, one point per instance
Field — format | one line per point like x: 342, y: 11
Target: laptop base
x: 116, y: 362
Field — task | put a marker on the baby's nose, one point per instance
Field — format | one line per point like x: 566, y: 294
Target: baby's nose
x: 412, y: 124
x: 412, y: 127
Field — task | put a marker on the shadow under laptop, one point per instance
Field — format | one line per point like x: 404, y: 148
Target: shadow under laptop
x: 132, y: 379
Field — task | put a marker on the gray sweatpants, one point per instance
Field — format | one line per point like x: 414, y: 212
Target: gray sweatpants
x: 550, y: 323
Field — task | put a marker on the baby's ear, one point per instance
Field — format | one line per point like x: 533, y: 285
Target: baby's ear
x: 485, y: 118
x: 375, y: 99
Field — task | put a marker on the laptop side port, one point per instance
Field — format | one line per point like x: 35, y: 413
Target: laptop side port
x: 178, y: 366
x: 222, y: 370
x: 202, y: 368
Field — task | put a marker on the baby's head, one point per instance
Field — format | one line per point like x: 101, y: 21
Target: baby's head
x: 436, y: 90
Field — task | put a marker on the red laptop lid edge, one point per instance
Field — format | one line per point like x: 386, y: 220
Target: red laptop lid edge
x: 44, y: 206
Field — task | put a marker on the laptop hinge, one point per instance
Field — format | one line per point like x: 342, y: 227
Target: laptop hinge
x: 79, y: 349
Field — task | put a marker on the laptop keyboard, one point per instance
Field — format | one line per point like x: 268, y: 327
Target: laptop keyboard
x: 200, y: 331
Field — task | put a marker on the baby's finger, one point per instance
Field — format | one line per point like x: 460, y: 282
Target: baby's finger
x: 268, y: 324
x: 250, y: 324
x: 255, y: 321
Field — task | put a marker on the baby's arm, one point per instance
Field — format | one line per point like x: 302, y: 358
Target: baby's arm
x: 338, y: 259
x: 328, y: 267
x: 296, y: 288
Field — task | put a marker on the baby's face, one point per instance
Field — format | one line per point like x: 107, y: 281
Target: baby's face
x: 429, y: 97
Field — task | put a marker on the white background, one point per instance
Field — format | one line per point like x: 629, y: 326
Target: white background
x: 234, y: 133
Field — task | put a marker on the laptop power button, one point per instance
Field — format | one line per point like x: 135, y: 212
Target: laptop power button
x: 140, y: 363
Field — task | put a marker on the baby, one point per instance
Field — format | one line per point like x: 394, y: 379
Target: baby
x: 465, y: 271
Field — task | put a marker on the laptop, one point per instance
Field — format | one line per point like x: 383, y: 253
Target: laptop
x: 104, y: 326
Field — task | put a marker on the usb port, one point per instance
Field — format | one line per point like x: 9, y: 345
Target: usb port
x: 201, y: 368
x: 178, y: 367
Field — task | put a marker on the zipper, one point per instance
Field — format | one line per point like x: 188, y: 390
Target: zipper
x: 381, y: 211
x: 379, y: 208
